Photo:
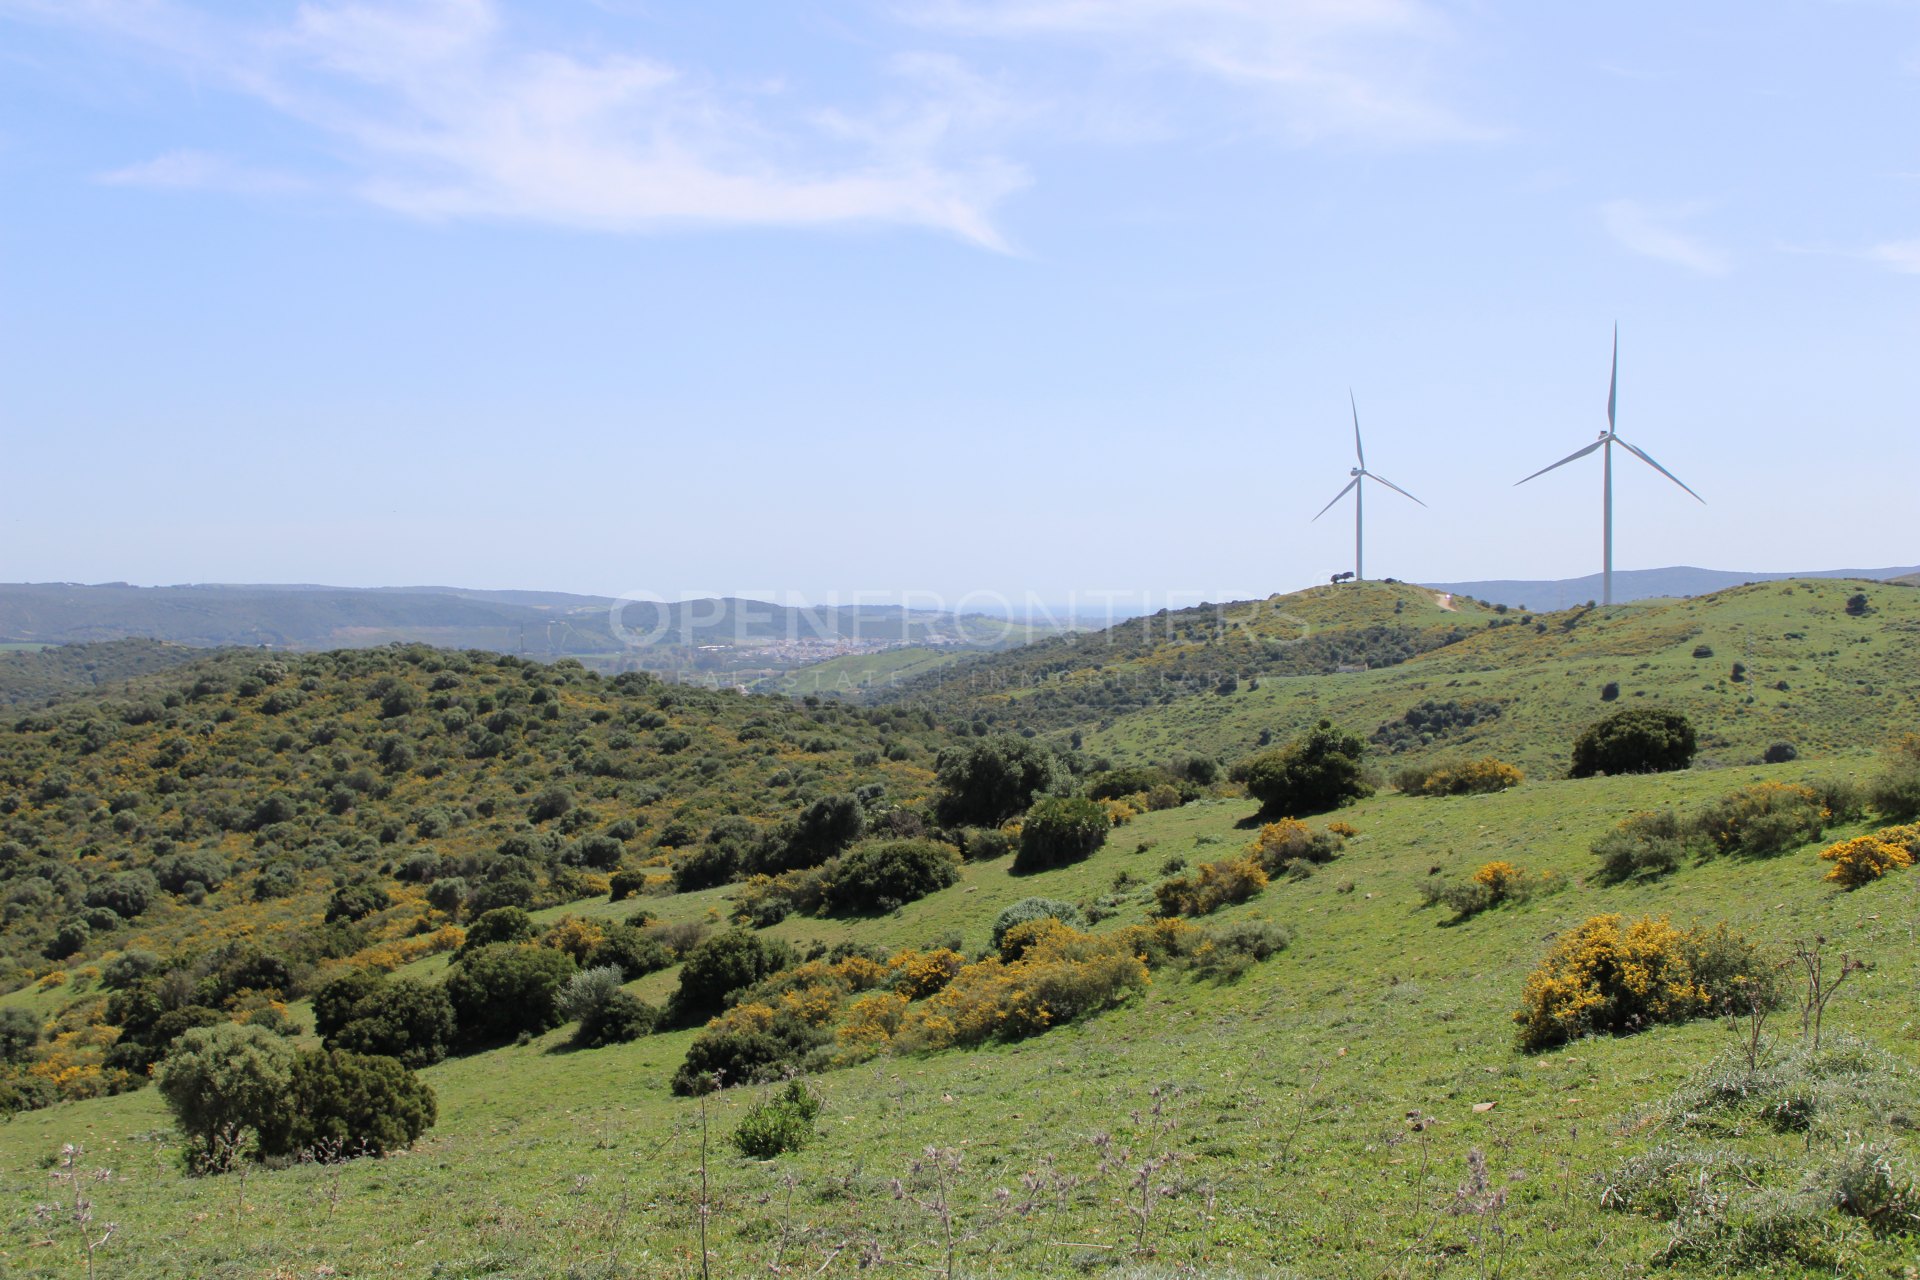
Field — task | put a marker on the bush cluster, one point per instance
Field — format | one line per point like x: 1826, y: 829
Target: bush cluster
x: 1607, y: 976
x: 1895, y: 790
x: 1059, y: 830
x: 1760, y: 820
x: 1214, y: 885
x: 1864, y: 859
x: 1465, y: 777
x: 1291, y: 847
x: 1312, y: 774
x: 778, y: 1125
x: 1491, y: 885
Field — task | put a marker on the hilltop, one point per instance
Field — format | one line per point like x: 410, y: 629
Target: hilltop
x: 1641, y: 584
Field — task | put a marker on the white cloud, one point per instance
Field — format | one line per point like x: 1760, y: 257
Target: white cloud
x: 443, y: 115
x: 183, y: 170
x: 1359, y: 69
x: 1648, y: 231
x: 1898, y: 255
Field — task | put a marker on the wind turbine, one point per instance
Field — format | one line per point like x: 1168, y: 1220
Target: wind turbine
x: 1358, y: 490
x: 1605, y: 443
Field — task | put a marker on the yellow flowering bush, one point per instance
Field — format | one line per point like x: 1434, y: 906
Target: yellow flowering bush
x: 1461, y: 778
x: 1214, y: 885
x: 1865, y: 859
x: 1605, y: 975
x: 1765, y: 818
x: 1061, y: 974
x: 1291, y: 840
x: 1499, y: 878
x: 575, y: 937
x: 921, y: 973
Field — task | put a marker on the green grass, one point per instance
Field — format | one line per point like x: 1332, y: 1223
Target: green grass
x: 1851, y: 681
x: 1286, y: 1095
x: 861, y: 672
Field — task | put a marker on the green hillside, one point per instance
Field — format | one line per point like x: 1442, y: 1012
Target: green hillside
x: 31, y: 673
x: 861, y: 674
x: 1324, y: 1114
x: 1320, y: 1078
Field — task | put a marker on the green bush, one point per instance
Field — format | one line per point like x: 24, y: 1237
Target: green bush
x: 720, y: 967
x: 778, y: 1125
x: 1637, y: 740
x: 506, y: 990
x: 341, y: 1105
x: 631, y: 950
x: 227, y: 1085
x: 19, y: 1035
x: 985, y: 783
x: 1762, y: 819
x: 881, y: 875
x: 984, y: 844
x: 1026, y: 911
x: 1643, y: 844
x: 1059, y: 830
x: 401, y: 1018
x: 625, y: 884
x: 1312, y: 774
x: 499, y: 925
x: 606, y: 1013
x: 1895, y: 790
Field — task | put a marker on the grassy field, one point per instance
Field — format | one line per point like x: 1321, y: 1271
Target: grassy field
x: 1848, y: 680
x: 1322, y: 1115
x: 861, y: 672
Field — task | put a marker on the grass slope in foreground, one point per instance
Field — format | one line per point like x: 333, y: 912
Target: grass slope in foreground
x: 1324, y: 1115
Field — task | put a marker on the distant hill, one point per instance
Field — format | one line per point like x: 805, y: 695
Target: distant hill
x: 40, y: 676
x: 535, y: 623
x: 1636, y: 584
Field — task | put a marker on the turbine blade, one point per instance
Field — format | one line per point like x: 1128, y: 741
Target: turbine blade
x: 1391, y: 485
x: 1647, y: 458
x: 1336, y: 497
x: 1358, y: 452
x: 1613, y: 383
x: 1563, y: 462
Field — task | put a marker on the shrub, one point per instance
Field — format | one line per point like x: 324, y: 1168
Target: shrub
x: 632, y: 951
x: 984, y: 844
x: 1490, y: 886
x: 19, y: 1034
x: 1638, y: 740
x: 1216, y: 884
x: 985, y: 783
x: 1229, y: 952
x: 354, y: 1104
x: 779, y: 1125
x: 357, y: 902
x: 720, y: 967
x: 405, y: 1019
x: 880, y: 875
x: 1863, y: 860
x: 126, y: 895
x: 1313, y: 774
x: 1895, y: 790
x: 1288, y: 841
x: 1028, y: 910
x: 1115, y: 784
x: 1765, y: 818
x: 501, y: 924
x: 1647, y: 844
x: 1606, y: 977
x: 1061, y: 974
x: 1780, y: 753
x: 749, y: 1043
x: 507, y: 989
x: 625, y: 884
x: 1059, y: 830
x: 1468, y: 777
x: 226, y: 1083
x: 606, y: 1013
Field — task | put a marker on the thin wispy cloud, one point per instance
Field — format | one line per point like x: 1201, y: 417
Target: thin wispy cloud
x: 1322, y: 69
x: 1651, y: 232
x: 442, y: 113
x: 199, y: 170
x: 1897, y: 255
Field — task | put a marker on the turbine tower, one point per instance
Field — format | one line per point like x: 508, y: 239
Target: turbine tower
x: 1607, y: 440
x: 1360, y: 473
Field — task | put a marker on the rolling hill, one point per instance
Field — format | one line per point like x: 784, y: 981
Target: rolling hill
x: 1639, y: 584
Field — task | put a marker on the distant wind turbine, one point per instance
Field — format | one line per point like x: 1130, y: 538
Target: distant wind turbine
x: 1354, y: 486
x: 1606, y: 442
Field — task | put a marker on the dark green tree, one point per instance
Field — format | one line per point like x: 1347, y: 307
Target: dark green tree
x: 719, y: 967
x: 342, y: 1105
x: 1059, y: 830
x: 503, y: 990
x: 986, y: 782
x: 1312, y: 774
x: 1637, y: 740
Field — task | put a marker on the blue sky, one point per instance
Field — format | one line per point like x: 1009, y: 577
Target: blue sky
x: 938, y: 296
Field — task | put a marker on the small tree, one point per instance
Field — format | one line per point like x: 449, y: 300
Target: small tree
x: 353, y: 1103
x: 1059, y: 830
x: 404, y: 1018
x: 1311, y: 774
x: 19, y: 1034
x: 722, y: 965
x: 882, y: 873
x: 985, y: 783
x: 1638, y: 740
x: 507, y: 989
x: 225, y: 1082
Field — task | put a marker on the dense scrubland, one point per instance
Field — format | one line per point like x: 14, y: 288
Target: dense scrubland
x: 406, y: 961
